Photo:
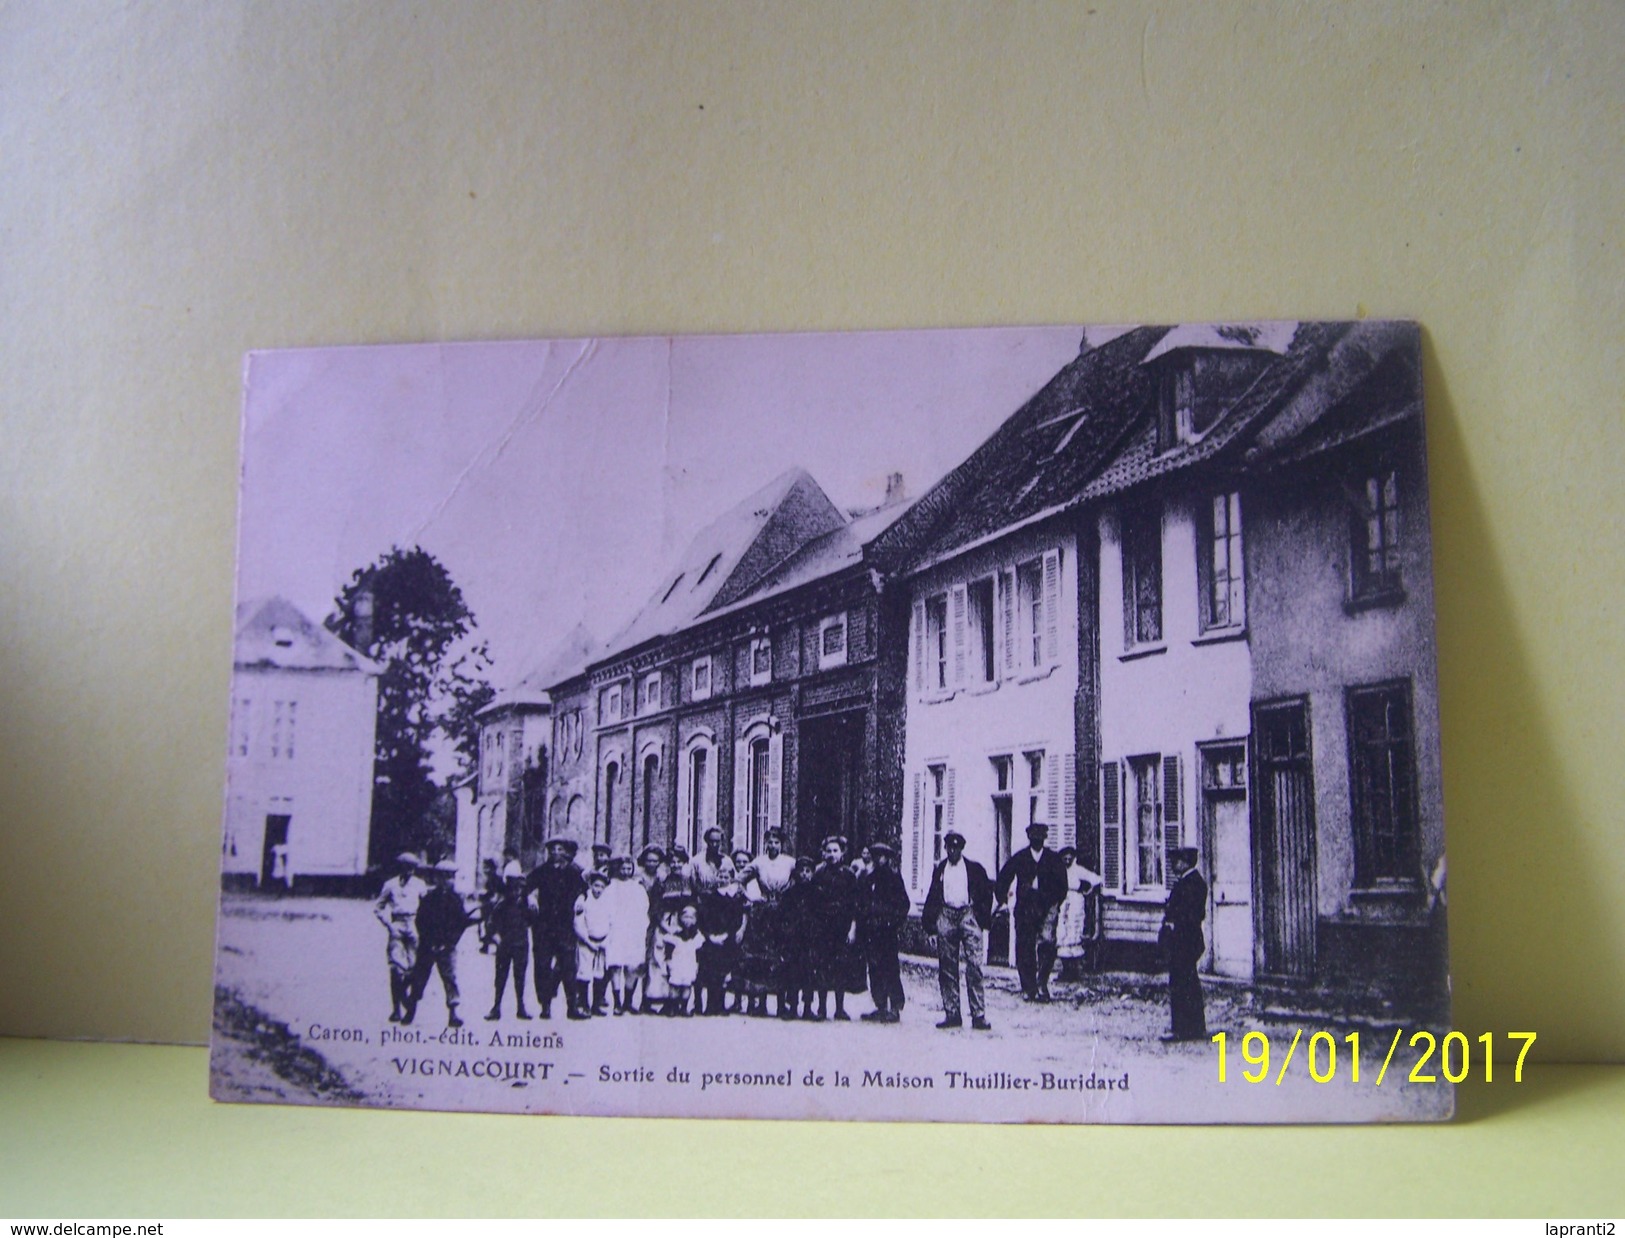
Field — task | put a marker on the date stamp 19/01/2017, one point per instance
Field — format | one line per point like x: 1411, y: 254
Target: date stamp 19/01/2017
x: 1453, y: 1053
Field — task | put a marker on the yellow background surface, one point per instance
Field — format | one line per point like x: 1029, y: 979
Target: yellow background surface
x: 181, y: 183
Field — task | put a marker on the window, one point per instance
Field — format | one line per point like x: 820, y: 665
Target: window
x: 1176, y: 403
x: 979, y: 667
x: 569, y: 744
x: 832, y: 641
x: 609, y: 703
x: 1146, y: 822
x: 1224, y: 769
x: 761, y: 660
x: 709, y: 568
x: 937, y: 788
x: 612, y: 775
x: 758, y: 781
x: 284, y: 716
x: 651, y: 775
x: 1374, y: 553
x: 702, y: 678
x: 1003, y: 810
x: 1382, y: 784
x: 240, y: 712
x: 1029, y: 637
x: 698, y: 797
x: 1035, y: 788
x: 671, y: 589
x: 936, y: 643
x: 1142, y: 578
x: 651, y: 693
x: 1218, y: 563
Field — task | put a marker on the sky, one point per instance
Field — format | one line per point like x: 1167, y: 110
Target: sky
x: 557, y: 480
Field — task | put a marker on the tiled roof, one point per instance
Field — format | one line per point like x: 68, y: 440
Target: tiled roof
x: 1387, y: 393
x: 1140, y: 461
x: 273, y: 632
x: 824, y: 555
x: 730, y: 556
x: 1091, y: 432
x: 1041, y: 458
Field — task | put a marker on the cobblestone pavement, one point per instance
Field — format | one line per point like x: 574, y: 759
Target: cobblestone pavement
x: 310, y: 975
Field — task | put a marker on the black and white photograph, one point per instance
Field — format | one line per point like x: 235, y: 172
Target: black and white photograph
x: 981, y: 725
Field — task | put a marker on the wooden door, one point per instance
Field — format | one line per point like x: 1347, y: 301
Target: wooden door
x: 1284, y: 840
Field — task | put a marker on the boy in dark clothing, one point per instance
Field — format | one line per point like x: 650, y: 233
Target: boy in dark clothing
x: 796, y: 923
x: 442, y: 920
x: 512, y: 932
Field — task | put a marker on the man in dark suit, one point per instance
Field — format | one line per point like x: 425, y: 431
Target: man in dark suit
x: 882, y: 908
x: 958, y: 904
x: 553, y: 887
x: 1038, y: 877
x: 1181, y: 937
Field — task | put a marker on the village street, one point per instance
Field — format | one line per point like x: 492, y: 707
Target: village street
x: 310, y: 975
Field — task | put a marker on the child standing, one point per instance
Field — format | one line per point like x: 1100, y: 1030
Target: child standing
x: 626, y: 951
x: 593, y: 918
x: 683, y: 959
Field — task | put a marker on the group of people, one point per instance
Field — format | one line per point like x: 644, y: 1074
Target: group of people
x: 674, y: 935
x: 1052, y: 916
x: 770, y: 935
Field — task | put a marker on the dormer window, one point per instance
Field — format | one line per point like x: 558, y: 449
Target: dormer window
x: 1176, y: 420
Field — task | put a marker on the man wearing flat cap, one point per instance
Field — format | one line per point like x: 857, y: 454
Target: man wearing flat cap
x: 1037, y: 877
x: 1181, y: 937
x: 957, y: 908
x: 397, y: 909
x: 442, y: 919
x: 883, y: 905
x: 553, y: 887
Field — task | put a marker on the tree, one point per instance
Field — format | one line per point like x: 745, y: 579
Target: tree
x: 407, y: 614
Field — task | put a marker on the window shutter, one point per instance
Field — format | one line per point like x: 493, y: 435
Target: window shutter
x: 1052, y: 795
x: 919, y: 648
x: 914, y: 835
x: 712, y: 790
x: 1052, y: 607
x: 741, y: 818
x: 775, y: 782
x: 1007, y: 611
x: 1111, y: 831
x: 948, y: 812
x: 1069, y: 801
x: 956, y: 620
x: 1172, y: 799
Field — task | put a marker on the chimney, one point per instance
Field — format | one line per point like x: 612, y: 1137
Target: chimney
x: 894, y: 489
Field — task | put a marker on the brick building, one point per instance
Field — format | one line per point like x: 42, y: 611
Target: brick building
x: 749, y: 693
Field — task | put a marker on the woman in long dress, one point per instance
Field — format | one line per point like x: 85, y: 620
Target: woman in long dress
x: 1072, y: 928
x: 838, y: 963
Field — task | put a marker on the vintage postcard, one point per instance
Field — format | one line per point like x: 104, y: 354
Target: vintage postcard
x: 1012, y: 725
